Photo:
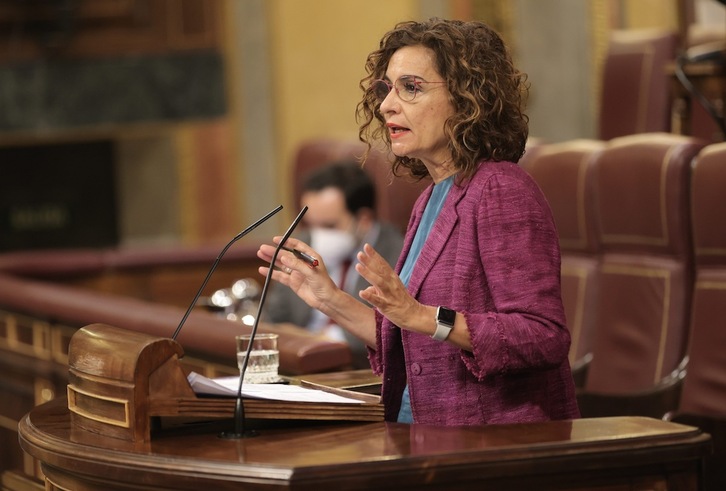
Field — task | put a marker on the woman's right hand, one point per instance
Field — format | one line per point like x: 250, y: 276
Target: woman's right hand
x: 312, y: 284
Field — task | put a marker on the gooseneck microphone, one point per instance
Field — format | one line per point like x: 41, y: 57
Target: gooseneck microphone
x: 239, y: 414
x: 700, y: 54
x: 216, y: 262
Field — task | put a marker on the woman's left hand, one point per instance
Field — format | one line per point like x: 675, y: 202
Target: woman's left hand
x: 386, y: 292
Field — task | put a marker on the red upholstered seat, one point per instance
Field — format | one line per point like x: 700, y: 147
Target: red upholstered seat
x: 565, y: 172
x: 704, y: 389
x: 703, y: 397
x: 642, y: 189
x: 531, y: 150
x: 635, y: 94
x: 394, y: 196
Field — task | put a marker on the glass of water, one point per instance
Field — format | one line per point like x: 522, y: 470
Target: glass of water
x: 264, y: 362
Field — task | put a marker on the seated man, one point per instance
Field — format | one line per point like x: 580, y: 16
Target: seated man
x: 341, y: 217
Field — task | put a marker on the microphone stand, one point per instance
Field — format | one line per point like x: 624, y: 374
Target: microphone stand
x: 239, y: 410
x: 216, y: 262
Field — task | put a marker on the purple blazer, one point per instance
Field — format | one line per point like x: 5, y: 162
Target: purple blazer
x: 493, y: 256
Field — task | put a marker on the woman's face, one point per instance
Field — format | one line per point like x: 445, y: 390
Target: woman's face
x: 416, y: 127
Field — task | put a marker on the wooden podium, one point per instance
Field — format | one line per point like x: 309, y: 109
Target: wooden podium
x: 605, y: 454
x: 121, y: 382
x: 101, y: 438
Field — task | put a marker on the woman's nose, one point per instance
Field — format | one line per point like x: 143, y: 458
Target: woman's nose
x: 390, y: 103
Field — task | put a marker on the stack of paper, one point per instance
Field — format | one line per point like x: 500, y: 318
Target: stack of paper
x: 280, y: 401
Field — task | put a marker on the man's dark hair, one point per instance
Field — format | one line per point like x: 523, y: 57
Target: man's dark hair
x: 348, y: 176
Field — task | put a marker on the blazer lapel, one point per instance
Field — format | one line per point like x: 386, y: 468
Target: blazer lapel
x: 442, y: 229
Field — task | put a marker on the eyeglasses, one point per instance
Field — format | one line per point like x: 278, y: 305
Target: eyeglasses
x: 407, y: 86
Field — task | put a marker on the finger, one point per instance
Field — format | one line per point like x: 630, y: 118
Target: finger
x: 372, y: 296
x: 293, y: 243
x: 309, y: 259
x: 277, y: 275
x: 284, y: 260
x: 372, y: 253
x: 368, y: 274
x: 265, y: 252
x: 300, y: 250
x: 374, y: 261
x: 374, y: 269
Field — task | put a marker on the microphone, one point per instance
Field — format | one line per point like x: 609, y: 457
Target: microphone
x: 680, y: 72
x: 239, y: 414
x: 216, y: 262
x: 713, y: 51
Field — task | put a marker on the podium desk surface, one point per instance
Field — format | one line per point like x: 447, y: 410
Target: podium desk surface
x: 601, y: 453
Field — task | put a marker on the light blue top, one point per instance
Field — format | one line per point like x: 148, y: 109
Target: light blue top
x: 430, y: 214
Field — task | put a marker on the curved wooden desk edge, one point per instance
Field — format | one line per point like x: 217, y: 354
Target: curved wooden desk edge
x: 595, y: 452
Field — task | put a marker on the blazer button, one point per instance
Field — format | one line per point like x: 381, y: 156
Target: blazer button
x: 415, y: 368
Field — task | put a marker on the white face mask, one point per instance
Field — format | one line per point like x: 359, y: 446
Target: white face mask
x: 334, y: 246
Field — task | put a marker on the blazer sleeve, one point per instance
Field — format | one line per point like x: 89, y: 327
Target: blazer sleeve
x: 521, y: 325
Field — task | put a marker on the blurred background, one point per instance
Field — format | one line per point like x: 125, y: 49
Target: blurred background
x: 138, y: 136
x: 177, y: 121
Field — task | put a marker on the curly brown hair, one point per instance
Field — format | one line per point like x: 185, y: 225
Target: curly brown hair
x: 487, y: 91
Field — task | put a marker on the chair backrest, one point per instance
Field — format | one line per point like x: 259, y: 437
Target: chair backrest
x: 533, y: 147
x: 704, y: 386
x: 312, y: 154
x: 565, y: 172
x: 394, y: 196
x: 642, y: 189
x: 635, y: 95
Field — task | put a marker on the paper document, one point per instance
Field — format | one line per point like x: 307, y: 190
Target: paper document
x: 227, y: 386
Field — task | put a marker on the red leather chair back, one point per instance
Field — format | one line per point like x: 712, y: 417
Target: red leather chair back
x: 635, y: 94
x: 312, y: 154
x: 644, y: 227
x: 394, y: 196
x: 531, y: 150
x: 704, y: 387
x: 565, y: 172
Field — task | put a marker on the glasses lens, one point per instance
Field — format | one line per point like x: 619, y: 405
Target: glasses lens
x: 380, y: 89
x: 406, y: 87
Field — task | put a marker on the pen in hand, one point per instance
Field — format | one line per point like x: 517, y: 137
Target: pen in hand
x: 312, y: 262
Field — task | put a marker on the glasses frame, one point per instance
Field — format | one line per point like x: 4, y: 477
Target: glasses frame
x: 417, y: 81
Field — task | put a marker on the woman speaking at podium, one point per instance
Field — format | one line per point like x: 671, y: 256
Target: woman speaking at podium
x: 469, y: 327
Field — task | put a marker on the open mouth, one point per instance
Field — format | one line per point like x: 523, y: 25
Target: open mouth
x: 397, y: 129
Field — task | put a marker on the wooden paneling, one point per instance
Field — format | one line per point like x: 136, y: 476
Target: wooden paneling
x: 85, y: 28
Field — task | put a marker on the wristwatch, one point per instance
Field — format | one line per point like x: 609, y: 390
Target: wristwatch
x: 445, y: 319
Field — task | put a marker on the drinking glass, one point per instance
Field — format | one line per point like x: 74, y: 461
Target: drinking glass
x: 264, y: 362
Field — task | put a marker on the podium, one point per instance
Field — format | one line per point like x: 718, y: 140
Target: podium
x: 121, y: 382
x: 600, y: 454
x: 101, y: 437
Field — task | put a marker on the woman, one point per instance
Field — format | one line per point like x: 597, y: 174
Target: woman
x: 469, y: 328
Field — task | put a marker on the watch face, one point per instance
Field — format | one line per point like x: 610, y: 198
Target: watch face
x: 446, y: 316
